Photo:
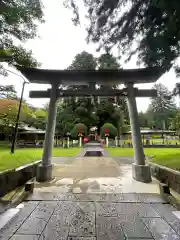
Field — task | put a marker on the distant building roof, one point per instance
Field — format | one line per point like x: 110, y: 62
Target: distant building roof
x: 154, y: 131
x: 33, y: 132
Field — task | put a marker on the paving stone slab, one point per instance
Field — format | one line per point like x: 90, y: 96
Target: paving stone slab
x: 135, y: 210
x: 107, y: 234
x: 106, y: 197
x: 144, y: 210
x: 54, y: 234
x: 98, y: 197
x: 166, y: 212
x: 108, y: 223
x: 56, y: 228
x: 38, y: 219
x: 83, y: 220
x: 106, y: 210
x: 109, y: 228
x: 139, y: 209
x: 142, y: 198
x: 86, y: 206
x: 78, y: 220
x: 135, y: 229
x: 58, y: 197
x: 33, y: 225
x: 81, y: 238
x: 76, y: 213
x: 44, y: 210
x: 8, y: 216
x: 84, y: 229
x: 160, y: 229
x: 12, y: 226
x: 64, y: 207
x: 25, y: 237
x: 94, y: 217
x: 125, y: 208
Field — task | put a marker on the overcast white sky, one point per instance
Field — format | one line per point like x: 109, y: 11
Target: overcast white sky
x: 58, y: 44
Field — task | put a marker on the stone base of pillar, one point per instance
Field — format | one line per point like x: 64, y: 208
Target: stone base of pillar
x: 44, y: 173
x: 141, y: 173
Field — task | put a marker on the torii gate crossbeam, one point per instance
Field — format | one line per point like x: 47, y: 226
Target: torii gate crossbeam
x: 128, y: 77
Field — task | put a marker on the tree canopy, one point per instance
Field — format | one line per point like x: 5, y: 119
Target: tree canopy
x: 110, y: 129
x: 161, y: 107
x: 8, y: 91
x: 83, y: 61
x: 89, y: 111
x: 79, y: 127
x: 148, y: 28
x: 18, y: 23
x: 8, y: 114
x: 107, y: 61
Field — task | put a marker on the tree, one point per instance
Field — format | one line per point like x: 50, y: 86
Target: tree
x: 107, y: 61
x: 143, y: 119
x: 39, y: 118
x: 79, y: 127
x: 65, y: 119
x: 71, y: 111
x: 161, y: 107
x: 19, y: 21
x: 8, y: 114
x: 176, y: 90
x: 83, y: 61
x: 175, y: 122
x: 8, y: 92
x: 88, y: 111
x: 117, y: 111
x: 108, y: 128
x: 148, y: 28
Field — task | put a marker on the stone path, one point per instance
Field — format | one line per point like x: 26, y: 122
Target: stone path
x: 93, y: 217
x: 92, y: 199
x: 95, y: 174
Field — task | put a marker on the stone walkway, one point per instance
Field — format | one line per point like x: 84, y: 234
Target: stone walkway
x: 95, y: 174
x: 92, y: 199
x: 48, y: 216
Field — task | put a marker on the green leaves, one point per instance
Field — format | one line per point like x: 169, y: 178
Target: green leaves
x: 161, y: 108
x: 83, y: 61
x: 18, y: 23
x: 8, y: 91
x: 84, y: 110
x: 79, y: 127
x: 21, y: 56
x: 108, y: 128
x: 108, y: 61
x: 148, y: 28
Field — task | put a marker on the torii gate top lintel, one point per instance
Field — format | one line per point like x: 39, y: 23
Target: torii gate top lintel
x: 141, y: 171
x: 83, y: 77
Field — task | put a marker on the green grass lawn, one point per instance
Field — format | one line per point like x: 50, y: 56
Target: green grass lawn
x: 169, y: 157
x: 25, y: 156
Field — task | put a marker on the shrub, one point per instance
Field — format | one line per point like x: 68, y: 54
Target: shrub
x: 112, y: 130
x: 79, y: 127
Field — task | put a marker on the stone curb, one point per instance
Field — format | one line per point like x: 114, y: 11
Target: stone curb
x: 13, y: 178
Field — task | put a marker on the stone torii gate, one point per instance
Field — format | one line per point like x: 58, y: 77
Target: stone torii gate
x: 128, y: 77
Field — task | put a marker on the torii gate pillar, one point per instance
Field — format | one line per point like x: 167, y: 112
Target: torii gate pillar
x: 141, y: 171
x: 44, y: 171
